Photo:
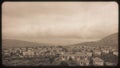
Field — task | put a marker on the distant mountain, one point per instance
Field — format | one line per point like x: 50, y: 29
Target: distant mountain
x: 111, y: 40
x: 7, y: 43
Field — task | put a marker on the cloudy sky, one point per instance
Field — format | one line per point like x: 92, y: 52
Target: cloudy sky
x: 59, y: 20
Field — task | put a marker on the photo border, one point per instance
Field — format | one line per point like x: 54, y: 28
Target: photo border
x: 2, y: 1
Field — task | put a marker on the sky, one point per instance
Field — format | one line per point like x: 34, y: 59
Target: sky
x: 58, y: 20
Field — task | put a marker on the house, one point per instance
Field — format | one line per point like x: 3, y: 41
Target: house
x: 83, y: 62
x: 96, y: 53
x: 115, y: 53
x: 105, y: 51
x: 28, y: 53
x: 73, y: 56
x: 89, y: 54
x: 98, y: 61
x: 6, y: 52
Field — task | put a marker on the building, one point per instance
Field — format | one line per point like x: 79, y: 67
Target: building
x: 105, y: 51
x: 5, y: 53
x: 98, y: 61
x: 78, y: 57
x: 70, y: 55
x: 89, y: 54
x: 96, y: 53
x: 28, y: 53
x: 115, y: 53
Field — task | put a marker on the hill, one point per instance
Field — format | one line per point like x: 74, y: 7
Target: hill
x: 7, y: 43
x: 111, y: 40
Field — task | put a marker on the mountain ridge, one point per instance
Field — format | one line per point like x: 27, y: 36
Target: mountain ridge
x: 111, y: 40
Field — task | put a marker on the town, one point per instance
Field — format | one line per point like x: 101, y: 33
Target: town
x: 60, y: 55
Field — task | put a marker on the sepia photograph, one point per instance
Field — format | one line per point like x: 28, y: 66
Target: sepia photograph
x: 60, y: 33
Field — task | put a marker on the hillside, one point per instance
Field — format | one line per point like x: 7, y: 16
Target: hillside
x: 111, y: 40
x: 6, y: 43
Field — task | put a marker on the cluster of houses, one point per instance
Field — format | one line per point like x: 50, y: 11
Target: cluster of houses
x: 82, y: 55
x: 31, y: 52
x: 85, y: 55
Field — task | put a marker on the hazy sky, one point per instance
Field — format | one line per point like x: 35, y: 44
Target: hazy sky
x: 36, y: 20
